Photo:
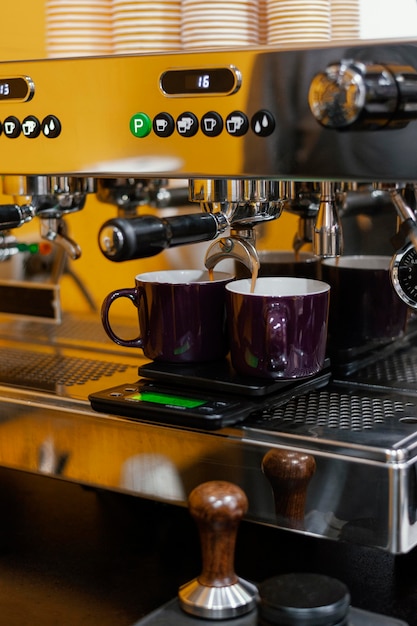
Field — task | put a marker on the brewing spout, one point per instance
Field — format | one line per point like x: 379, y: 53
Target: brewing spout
x: 52, y: 230
x: 240, y: 246
x: 327, y: 236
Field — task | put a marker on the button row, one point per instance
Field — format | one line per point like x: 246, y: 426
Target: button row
x: 211, y: 124
x: 30, y: 127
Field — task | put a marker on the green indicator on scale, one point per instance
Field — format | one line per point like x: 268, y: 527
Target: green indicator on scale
x: 140, y: 125
x: 168, y: 399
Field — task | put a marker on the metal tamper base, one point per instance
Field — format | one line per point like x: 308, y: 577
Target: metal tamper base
x: 218, y: 593
x: 218, y: 602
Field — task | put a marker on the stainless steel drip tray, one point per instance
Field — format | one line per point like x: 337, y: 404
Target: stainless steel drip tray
x: 396, y: 369
x: 363, y: 442
x: 343, y: 419
x: 77, y: 330
x: 63, y: 373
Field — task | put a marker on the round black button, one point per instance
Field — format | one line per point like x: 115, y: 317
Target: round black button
x: 237, y: 124
x: 163, y: 125
x: 263, y: 123
x: 51, y: 126
x: 212, y: 124
x: 187, y: 124
x: 31, y: 127
x: 12, y: 127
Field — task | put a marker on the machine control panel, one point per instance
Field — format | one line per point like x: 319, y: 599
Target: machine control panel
x: 30, y: 127
x: 211, y: 124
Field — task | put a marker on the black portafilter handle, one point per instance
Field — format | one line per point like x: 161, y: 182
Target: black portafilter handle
x: 124, y: 239
x: 13, y: 215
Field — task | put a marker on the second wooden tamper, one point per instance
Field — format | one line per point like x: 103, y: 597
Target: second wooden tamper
x: 218, y: 593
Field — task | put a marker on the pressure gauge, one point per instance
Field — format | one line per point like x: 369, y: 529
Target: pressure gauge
x: 404, y: 274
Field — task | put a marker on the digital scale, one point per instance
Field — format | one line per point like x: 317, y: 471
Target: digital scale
x: 205, y: 396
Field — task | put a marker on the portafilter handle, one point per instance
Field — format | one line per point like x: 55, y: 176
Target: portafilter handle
x: 124, y: 239
x: 217, y: 593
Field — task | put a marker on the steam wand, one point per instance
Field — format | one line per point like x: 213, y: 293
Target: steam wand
x: 327, y: 241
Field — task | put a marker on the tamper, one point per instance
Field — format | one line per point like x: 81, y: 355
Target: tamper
x: 217, y: 593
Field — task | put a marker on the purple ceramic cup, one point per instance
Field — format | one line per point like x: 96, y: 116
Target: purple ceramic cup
x: 279, y: 330
x: 364, y: 310
x: 182, y: 316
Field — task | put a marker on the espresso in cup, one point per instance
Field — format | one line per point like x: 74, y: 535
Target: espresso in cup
x: 278, y: 330
x: 364, y: 308
x: 181, y: 315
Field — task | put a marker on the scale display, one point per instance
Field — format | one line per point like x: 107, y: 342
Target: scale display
x: 166, y: 399
x: 150, y: 401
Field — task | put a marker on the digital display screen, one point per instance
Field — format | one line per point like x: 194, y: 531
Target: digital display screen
x: 218, y: 80
x: 16, y: 88
x: 166, y: 399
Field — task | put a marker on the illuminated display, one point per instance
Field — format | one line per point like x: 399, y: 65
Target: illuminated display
x: 16, y: 88
x: 166, y: 399
x: 217, y: 80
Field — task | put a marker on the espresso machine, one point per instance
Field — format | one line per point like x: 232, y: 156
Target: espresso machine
x: 321, y: 132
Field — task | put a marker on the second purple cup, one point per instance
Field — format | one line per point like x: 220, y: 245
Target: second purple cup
x: 280, y: 329
x: 181, y: 314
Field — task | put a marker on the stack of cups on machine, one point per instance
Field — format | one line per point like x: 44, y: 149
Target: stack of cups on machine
x: 143, y: 26
x: 102, y: 27
x: 219, y: 24
x: 345, y: 18
x: 294, y: 22
x: 78, y: 28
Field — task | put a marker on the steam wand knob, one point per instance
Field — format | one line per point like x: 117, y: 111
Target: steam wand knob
x: 217, y: 508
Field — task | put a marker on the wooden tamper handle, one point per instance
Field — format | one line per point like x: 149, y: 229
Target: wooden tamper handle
x: 218, y: 593
x: 289, y: 473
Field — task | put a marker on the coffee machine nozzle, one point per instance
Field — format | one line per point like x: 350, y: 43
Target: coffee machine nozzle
x: 49, y: 198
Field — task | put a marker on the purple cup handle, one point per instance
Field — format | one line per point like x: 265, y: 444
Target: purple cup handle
x: 276, y: 337
x: 130, y: 294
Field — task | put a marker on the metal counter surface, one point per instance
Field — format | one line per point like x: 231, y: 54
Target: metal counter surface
x: 363, y: 442
x: 94, y: 529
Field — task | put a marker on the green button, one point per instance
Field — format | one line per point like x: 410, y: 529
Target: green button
x: 140, y: 125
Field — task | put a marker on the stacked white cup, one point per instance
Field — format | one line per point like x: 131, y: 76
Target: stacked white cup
x: 78, y: 28
x: 143, y: 26
x: 345, y: 19
x: 294, y: 22
x: 215, y: 24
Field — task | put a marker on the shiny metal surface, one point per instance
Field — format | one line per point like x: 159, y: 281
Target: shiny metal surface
x: 95, y: 139
x: 362, y: 436
x: 217, y: 603
x: 363, y: 440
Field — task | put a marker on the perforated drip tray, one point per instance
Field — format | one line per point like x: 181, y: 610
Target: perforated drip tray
x: 376, y: 425
x: 81, y: 331
x: 394, y: 369
x: 64, y: 373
